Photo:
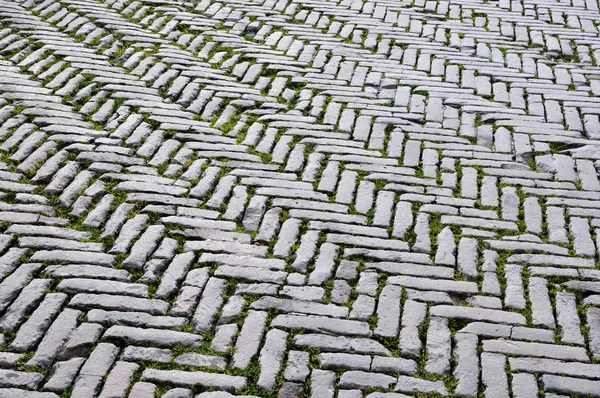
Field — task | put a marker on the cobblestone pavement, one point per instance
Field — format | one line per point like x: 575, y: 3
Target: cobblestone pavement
x: 299, y: 198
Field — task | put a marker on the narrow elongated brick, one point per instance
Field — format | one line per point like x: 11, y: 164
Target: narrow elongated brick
x: 434, y: 284
x: 12, y: 378
x: 514, y: 293
x: 71, y: 256
x: 28, y: 299
x: 536, y: 349
x: 570, y: 385
x: 62, y: 374
x: 37, y: 324
x: 478, y: 314
x: 160, y: 337
x: 345, y: 361
x: 361, y: 379
x: 388, y: 312
x: 340, y: 343
x: 54, y: 338
x: 467, y: 364
x: 568, y: 319
x: 554, y: 366
x: 81, y: 340
x: 468, y: 257
x: 493, y: 375
x: 174, y: 274
x: 305, y: 307
x: 117, y: 220
x: 119, y: 379
x: 100, y: 360
x: 533, y: 215
x: 593, y: 323
x: 524, y: 385
x: 288, y: 235
x: 414, y: 315
x: 445, y: 254
x: 250, y: 336
x: 322, y: 324
x: 403, y: 219
x: 81, y: 285
x: 130, y: 230
x: 582, y: 239
x: 556, y: 225
x: 383, y: 208
x: 271, y: 358
x: 210, y: 303
x: 297, y: 366
x: 324, y: 264
x: 204, y: 379
x: 438, y: 347
x: 541, y: 307
x: 142, y: 249
x: 322, y: 384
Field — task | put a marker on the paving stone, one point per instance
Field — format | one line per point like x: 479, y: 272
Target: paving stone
x: 119, y: 379
x: 438, y: 346
x: 476, y: 314
x: 393, y: 365
x: 493, y: 376
x: 12, y: 378
x: 54, y: 338
x: 297, y: 366
x: 81, y: 340
x: 271, y: 358
x: 345, y: 361
x: 151, y: 354
x: 142, y: 249
x: 414, y: 315
x: 569, y: 385
x: 322, y: 383
x: 322, y: 324
x: 210, y: 302
x: 202, y: 361
x: 249, y: 339
x: 62, y: 374
x: 118, y: 303
x: 411, y: 384
x: 142, y: 389
x: 535, y: 349
x: 179, y: 377
x: 32, y: 330
x: 568, y: 319
x: 524, y: 385
x: 593, y: 323
x: 344, y: 344
x: 304, y: 307
x: 360, y: 379
x: 388, y: 312
x: 467, y: 364
x: 522, y: 333
x: 155, y: 336
x: 179, y: 393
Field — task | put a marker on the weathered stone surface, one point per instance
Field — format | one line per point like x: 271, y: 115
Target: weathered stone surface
x: 179, y: 377
x: 159, y: 337
x: 326, y: 196
x: 536, y: 349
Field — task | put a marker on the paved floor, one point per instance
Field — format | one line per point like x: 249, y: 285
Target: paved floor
x: 299, y: 198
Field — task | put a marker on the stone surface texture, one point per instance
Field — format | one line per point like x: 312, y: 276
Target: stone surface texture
x: 299, y: 198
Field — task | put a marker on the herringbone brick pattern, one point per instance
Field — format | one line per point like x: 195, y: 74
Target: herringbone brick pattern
x: 299, y: 198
